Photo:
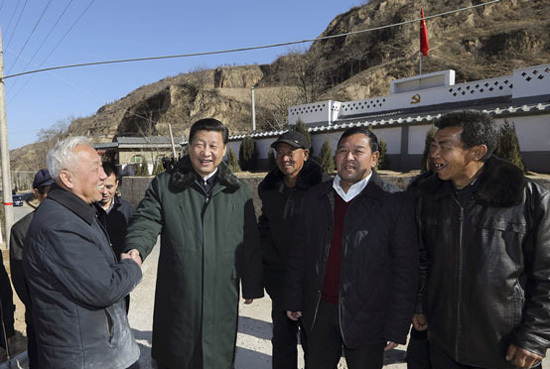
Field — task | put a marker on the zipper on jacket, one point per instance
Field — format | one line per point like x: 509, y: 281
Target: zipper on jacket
x: 459, y: 278
x: 327, y: 249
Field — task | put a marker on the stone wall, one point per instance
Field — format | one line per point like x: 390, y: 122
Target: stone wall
x: 133, y: 188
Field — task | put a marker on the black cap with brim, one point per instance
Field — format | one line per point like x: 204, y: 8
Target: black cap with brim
x: 292, y: 138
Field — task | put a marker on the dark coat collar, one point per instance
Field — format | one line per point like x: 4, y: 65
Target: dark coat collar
x: 310, y: 174
x: 500, y: 184
x: 72, y: 202
x: 183, y: 175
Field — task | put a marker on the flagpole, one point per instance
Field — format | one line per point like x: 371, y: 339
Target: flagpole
x: 420, y: 62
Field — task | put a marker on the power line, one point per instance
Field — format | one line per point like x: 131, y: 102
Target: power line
x: 68, y: 31
x: 32, y: 33
x: 119, y: 61
x: 50, y: 32
x: 39, y: 48
x: 16, y: 23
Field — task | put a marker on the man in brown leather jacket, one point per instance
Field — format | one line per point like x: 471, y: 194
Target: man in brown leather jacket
x: 485, y: 229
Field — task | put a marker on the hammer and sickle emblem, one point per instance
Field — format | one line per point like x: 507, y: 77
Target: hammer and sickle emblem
x: 415, y: 99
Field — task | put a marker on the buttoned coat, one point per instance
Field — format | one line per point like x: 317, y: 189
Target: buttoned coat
x: 208, y: 244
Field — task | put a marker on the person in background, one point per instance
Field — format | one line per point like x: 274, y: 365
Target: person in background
x: 114, y: 212
x: 41, y: 185
x: 209, y: 243
x: 282, y: 192
x: 353, y: 264
x: 485, y: 229
x: 76, y: 283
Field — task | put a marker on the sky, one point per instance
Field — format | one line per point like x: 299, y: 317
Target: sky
x: 47, y: 33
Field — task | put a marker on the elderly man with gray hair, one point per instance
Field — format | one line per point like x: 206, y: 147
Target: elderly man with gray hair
x: 77, y: 286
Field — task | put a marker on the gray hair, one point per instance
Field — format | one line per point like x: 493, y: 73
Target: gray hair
x: 62, y: 155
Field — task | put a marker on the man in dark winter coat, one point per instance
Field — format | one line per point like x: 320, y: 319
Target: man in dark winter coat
x: 209, y: 242
x: 76, y: 284
x: 486, y: 231
x: 352, y: 270
x: 41, y: 185
x: 114, y: 212
x: 282, y: 192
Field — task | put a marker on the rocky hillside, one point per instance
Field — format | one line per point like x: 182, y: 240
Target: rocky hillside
x: 481, y: 43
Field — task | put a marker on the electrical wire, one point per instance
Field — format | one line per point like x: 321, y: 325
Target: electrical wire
x: 16, y: 23
x: 218, y: 52
x: 38, y: 50
x: 68, y: 31
x: 32, y: 33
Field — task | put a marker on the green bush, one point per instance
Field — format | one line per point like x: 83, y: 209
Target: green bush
x: 508, y: 145
x: 271, y: 162
x: 248, y: 154
x: 326, y: 157
x: 383, y: 159
x: 158, y: 168
x: 301, y: 127
x: 232, y: 161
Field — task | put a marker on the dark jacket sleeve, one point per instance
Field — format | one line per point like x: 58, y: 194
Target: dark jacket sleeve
x: 424, y: 260
x: 17, y: 239
x: 250, y: 268
x: 82, y: 270
x: 533, y: 333
x: 263, y: 226
x: 404, y: 264
x: 294, y: 291
x: 7, y: 301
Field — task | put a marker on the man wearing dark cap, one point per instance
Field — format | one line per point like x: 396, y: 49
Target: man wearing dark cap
x: 281, y: 192
x: 41, y: 186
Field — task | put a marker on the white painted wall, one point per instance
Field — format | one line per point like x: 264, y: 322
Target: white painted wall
x: 417, y: 138
x: 392, y: 137
x: 533, y: 132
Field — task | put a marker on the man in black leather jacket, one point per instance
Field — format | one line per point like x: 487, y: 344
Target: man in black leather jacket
x: 352, y: 271
x: 282, y: 192
x: 485, y: 229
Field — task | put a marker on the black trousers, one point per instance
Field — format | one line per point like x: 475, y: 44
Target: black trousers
x: 440, y: 360
x: 418, y: 350
x: 325, y: 345
x: 32, y: 348
x: 284, y: 340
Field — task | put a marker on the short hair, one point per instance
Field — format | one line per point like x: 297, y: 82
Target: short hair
x: 373, y: 140
x: 209, y: 124
x: 109, y: 168
x: 62, y: 155
x: 478, y: 128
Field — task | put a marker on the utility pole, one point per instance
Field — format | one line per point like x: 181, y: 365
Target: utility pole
x: 172, y: 141
x: 253, y: 111
x: 4, y: 152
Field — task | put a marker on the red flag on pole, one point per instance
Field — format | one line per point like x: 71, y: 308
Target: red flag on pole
x: 424, y: 45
